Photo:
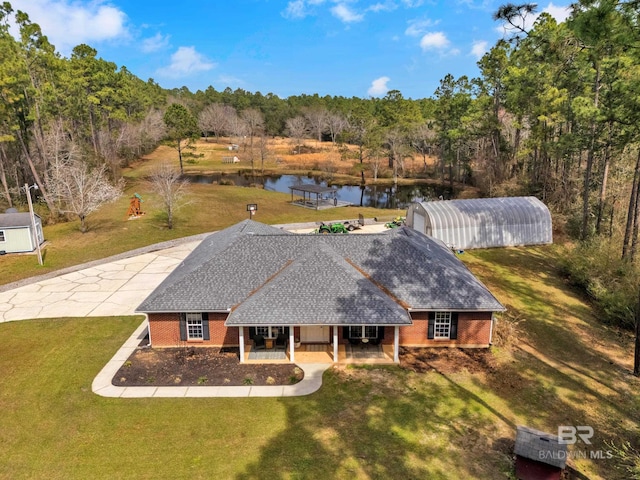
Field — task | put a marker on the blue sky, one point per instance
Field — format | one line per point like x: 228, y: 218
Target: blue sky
x: 330, y: 47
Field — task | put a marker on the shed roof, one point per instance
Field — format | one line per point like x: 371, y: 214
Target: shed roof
x: 15, y: 220
x: 260, y: 273
x: 540, y: 446
x: 489, y: 222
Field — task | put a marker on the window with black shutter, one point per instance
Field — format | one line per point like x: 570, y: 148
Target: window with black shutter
x: 442, y: 326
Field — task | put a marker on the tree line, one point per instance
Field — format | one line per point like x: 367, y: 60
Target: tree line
x: 555, y: 113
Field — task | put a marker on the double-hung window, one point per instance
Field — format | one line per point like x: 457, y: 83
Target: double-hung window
x: 442, y: 325
x: 195, y: 330
x: 2, y: 238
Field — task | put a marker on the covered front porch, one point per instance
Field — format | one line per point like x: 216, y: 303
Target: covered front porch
x: 319, y: 344
x: 323, y: 353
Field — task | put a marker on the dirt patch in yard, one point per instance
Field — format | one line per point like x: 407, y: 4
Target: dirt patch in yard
x: 447, y: 360
x: 200, y: 366
x: 219, y: 367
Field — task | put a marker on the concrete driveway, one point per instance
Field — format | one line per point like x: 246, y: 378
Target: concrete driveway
x: 111, y: 287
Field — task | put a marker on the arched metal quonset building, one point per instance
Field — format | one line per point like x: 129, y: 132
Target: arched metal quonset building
x: 483, y: 222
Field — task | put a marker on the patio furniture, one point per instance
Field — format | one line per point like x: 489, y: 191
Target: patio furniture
x: 281, y: 342
x: 258, y: 343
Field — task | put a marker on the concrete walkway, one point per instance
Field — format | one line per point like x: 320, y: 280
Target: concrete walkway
x: 101, y: 385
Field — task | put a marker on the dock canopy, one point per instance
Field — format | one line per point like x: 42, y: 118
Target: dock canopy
x: 320, y: 191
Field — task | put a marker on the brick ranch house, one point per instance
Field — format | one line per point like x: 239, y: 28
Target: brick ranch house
x: 399, y: 287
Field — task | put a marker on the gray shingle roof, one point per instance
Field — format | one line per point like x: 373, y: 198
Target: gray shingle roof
x: 13, y: 220
x: 540, y: 446
x: 343, y: 296
x: 264, y: 273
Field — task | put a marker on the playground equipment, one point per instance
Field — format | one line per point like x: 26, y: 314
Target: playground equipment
x: 134, y: 207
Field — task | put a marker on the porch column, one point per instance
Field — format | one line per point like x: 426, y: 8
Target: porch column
x: 335, y: 344
x: 396, y: 344
x: 241, y: 337
x: 292, y: 355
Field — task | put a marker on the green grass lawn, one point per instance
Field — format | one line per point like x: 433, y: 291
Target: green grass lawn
x: 208, y: 208
x: 562, y: 368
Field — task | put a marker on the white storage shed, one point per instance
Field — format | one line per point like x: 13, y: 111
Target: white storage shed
x: 483, y: 222
x: 16, y: 233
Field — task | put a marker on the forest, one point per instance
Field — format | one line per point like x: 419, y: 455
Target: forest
x: 555, y: 113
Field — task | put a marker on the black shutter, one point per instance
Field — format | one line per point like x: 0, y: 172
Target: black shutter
x: 183, y: 327
x: 205, y: 326
x: 252, y: 332
x: 381, y: 333
x: 432, y: 324
x: 345, y: 333
x: 453, y: 332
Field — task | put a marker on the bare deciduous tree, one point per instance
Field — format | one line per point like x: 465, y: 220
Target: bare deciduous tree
x: 78, y: 189
x: 297, y: 128
x: 171, y: 188
x: 215, y: 118
x: 254, y: 123
x: 237, y: 127
x: 336, y: 123
x: 423, y: 141
x: 317, y: 119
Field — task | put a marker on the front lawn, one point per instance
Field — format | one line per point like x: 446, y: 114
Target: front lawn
x: 562, y: 368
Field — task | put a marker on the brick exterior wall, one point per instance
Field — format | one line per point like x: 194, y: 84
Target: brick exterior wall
x: 473, y: 331
x: 165, y: 331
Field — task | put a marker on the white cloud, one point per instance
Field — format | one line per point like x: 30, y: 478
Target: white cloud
x: 387, y: 6
x: 559, y: 13
x: 479, y: 48
x: 295, y: 9
x: 434, y: 41
x: 345, y: 14
x: 379, y: 87
x: 155, y: 43
x: 418, y: 27
x: 67, y: 23
x: 184, y: 62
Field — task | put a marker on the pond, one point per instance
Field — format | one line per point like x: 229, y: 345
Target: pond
x: 378, y: 196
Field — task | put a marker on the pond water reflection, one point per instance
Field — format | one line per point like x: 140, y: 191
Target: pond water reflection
x: 378, y: 196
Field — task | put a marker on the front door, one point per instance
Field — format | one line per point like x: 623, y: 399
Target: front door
x: 314, y: 334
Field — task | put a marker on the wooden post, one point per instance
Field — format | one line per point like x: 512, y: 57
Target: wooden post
x: 335, y: 344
